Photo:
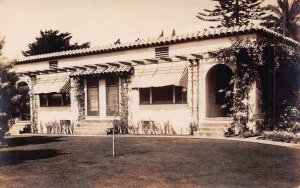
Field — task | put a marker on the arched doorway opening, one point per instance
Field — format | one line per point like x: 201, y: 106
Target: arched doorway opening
x: 24, y: 104
x: 217, y: 83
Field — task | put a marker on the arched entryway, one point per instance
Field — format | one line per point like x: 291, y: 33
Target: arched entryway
x: 24, y: 105
x: 217, y: 83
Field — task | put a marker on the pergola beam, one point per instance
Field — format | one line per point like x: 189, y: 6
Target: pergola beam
x: 182, y: 57
x: 125, y: 63
x: 91, y: 66
x: 80, y: 67
x: 199, y: 56
x: 102, y: 65
x: 69, y: 68
x: 155, y: 61
x: 140, y: 62
x: 114, y: 64
x: 169, y: 59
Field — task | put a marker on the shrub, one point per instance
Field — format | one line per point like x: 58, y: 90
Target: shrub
x: 151, y: 127
x: 61, y: 127
x: 133, y: 129
x: 281, y: 136
x: 290, y: 120
x: 193, y: 127
x: 229, y: 132
x: 168, y: 129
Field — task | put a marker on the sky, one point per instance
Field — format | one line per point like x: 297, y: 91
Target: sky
x: 100, y: 22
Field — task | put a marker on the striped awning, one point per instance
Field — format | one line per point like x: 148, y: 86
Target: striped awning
x: 184, y: 79
x: 160, y: 76
x: 52, y: 84
x: 101, y: 70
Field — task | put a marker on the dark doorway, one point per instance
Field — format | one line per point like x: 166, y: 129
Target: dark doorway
x: 217, y: 83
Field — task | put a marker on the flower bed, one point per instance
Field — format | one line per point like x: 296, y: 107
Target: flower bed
x: 282, y: 136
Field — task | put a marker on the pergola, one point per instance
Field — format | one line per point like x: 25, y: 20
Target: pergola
x: 118, y: 68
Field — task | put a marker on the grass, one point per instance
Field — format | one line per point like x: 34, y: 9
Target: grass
x: 145, y: 162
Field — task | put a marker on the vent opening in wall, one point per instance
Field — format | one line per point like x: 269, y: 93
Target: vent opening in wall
x: 162, y: 52
x: 53, y: 64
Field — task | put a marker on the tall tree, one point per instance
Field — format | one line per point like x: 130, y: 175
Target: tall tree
x: 8, y: 92
x: 52, y: 41
x: 233, y: 12
x: 285, y: 18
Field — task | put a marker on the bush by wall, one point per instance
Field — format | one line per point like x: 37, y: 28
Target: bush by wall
x: 152, y: 128
x: 55, y: 127
x: 282, y: 136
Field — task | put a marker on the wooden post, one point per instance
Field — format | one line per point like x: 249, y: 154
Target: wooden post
x: 113, y: 140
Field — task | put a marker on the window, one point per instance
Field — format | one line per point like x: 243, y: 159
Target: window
x: 112, y: 96
x: 92, y: 97
x: 180, y: 95
x: 144, y: 95
x: 55, y: 99
x: 43, y: 100
x: 53, y: 64
x: 163, y: 95
x: 66, y: 99
x: 162, y: 52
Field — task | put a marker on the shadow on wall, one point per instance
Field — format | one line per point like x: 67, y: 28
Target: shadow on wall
x: 19, y: 156
x: 22, y: 141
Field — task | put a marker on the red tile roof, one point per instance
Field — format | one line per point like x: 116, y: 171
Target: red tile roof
x: 199, y: 35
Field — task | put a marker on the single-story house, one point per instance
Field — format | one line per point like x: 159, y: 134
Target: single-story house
x: 155, y: 85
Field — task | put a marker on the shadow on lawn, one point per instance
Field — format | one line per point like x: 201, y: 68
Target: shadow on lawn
x: 22, y: 141
x: 128, y: 153
x: 18, y: 156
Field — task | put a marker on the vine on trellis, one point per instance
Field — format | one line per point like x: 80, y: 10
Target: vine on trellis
x: 249, y: 57
x: 79, y: 95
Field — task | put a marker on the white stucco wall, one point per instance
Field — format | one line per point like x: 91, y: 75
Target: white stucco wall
x: 178, y: 115
x: 48, y: 114
x: 42, y: 65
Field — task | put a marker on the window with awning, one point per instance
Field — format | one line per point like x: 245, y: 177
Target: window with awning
x: 162, y: 84
x: 53, y: 90
x: 52, y: 84
x: 160, y: 75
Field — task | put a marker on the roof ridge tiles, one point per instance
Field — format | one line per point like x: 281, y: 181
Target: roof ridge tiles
x: 198, y: 35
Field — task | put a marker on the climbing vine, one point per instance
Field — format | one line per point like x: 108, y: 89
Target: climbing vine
x: 253, y: 60
x: 79, y: 95
x: 34, y: 108
x: 123, y: 111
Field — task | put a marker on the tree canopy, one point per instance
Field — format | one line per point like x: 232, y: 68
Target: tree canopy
x: 8, y: 91
x: 233, y: 12
x: 285, y: 18
x: 52, y: 41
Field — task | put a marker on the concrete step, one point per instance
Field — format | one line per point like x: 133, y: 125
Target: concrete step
x: 214, y: 127
x: 218, y: 119
x: 17, y: 127
x: 218, y: 129
x: 93, y: 127
x: 209, y: 134
x: 219, y: 125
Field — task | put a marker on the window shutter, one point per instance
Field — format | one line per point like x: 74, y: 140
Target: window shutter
x: 162, y: 52
x: 53, y: 64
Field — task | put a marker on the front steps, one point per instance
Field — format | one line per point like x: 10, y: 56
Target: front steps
x: 214, y: 127
x: 17, y: 127
x: 93, y: 127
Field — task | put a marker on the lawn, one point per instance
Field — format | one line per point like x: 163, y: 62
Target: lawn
x: 42, y: 161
